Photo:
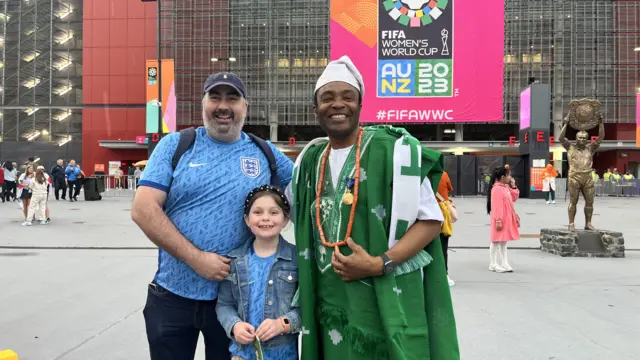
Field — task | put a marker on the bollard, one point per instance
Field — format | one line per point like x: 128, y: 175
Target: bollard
x: 8, y: 355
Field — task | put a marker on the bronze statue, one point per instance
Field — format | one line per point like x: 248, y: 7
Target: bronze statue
x: 583, y: 115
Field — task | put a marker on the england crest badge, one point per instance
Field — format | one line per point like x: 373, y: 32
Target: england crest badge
x: 250, y: 166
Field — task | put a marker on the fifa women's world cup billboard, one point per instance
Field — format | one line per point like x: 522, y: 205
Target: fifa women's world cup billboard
x: 428, y: 60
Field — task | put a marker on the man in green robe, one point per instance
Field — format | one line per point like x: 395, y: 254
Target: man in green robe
x: 382, y: 295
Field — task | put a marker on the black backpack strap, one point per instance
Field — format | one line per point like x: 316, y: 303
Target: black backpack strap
x: 187, y: 138
x: 273, y: 166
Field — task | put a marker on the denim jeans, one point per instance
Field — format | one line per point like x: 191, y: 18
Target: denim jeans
x: 174, y: 324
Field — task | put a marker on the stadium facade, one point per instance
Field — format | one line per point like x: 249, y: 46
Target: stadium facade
x: 73, y: 71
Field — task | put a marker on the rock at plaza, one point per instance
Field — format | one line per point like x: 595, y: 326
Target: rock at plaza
x: 582, y: 243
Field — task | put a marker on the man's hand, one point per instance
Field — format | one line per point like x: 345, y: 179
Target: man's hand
x: 211, y: 266
x: 244, y: 333
x: 269, y: 329
x: 357, y: 265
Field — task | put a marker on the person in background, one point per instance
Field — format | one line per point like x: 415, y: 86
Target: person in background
x: 627, y: 175
x: 38, y: 186
x: 137, y: 174
x: 615, y: 177
x: 607, y: 175
x: 25, y: 191
x: 131, y: 171
x: 118, y: 177
x: 596, y: 180
x: 59, y: 180
x: 444, y: 189
x: 73, y: 178
x: 549, y: 183
x: 10, y: 177
x: 504, y: 219
x: 49, y: 186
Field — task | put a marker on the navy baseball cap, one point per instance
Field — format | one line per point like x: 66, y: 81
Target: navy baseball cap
x: 225, y: 78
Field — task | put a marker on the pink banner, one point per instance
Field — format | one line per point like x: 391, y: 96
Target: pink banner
x: 525, y: 108
x: 424, y: 60
x: 638, y: 120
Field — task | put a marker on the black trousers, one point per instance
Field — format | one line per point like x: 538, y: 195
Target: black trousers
x: 74, y: 188
x: 60, y: 184
x: 444, y: 239
x: 174, y: 324
x: 9, y: 190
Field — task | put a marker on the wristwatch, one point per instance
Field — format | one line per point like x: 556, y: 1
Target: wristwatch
x: 389, y: 266
x: 286, y: 324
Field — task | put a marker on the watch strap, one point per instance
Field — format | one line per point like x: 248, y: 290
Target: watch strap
x: 286, y: 325
x: 386, y: 269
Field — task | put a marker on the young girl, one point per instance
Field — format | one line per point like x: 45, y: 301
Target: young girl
x: 255, y: 302
x: 504, y: 219
x: 25, y: 192
x: 49, y: 186
x: 549, y: 183
x: 38, y: 187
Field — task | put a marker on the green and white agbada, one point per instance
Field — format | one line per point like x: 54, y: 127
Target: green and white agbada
x: 406, y: 315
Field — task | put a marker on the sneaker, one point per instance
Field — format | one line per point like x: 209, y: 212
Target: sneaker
x: 451, y: 282
x: 547, y: 202
x: 497, y: 268
x: 554, y: 201
x: 43, y: 222
x: 508, y: 268
x: 47, y: 221
x: 26, y: 223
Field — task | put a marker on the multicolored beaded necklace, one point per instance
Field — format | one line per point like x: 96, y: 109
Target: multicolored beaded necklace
x: 347, y: 199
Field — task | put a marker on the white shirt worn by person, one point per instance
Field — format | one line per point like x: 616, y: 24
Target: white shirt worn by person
x: 37, y: 188
x: 25, y: 182
x: 10, y: 175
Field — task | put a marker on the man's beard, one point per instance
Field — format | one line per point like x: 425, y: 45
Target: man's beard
x: 214, y: 130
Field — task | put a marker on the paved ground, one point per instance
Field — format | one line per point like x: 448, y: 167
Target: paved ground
x: 74, y: 289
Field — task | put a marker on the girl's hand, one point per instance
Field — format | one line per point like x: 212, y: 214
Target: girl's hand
x: 499, y: 225
x: 244, y: 333
x: 269, y: 329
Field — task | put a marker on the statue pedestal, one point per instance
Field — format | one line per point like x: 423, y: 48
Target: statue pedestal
x: 582, y: 243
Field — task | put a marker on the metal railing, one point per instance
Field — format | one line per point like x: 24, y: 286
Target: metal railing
x: 620, y: 188
x: 119, y: 186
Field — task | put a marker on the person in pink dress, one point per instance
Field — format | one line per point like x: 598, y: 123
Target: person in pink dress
x: 504, y: 219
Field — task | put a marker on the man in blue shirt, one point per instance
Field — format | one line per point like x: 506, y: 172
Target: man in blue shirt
x: 73, y: 172
x: 195, y: 216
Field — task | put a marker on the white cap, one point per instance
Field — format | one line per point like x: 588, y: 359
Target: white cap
x: 342, y: 70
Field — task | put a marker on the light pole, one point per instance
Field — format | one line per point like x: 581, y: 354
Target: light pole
x: 152, y: 142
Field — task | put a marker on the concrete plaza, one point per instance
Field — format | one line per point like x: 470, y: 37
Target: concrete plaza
x: 75, y: 289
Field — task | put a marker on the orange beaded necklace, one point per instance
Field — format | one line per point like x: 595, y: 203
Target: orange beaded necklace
x: 355, y: 194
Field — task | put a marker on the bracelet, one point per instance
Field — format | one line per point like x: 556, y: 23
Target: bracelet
x: 286, y: 326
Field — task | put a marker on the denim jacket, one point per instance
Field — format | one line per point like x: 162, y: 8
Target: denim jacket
x: 233, y: 296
